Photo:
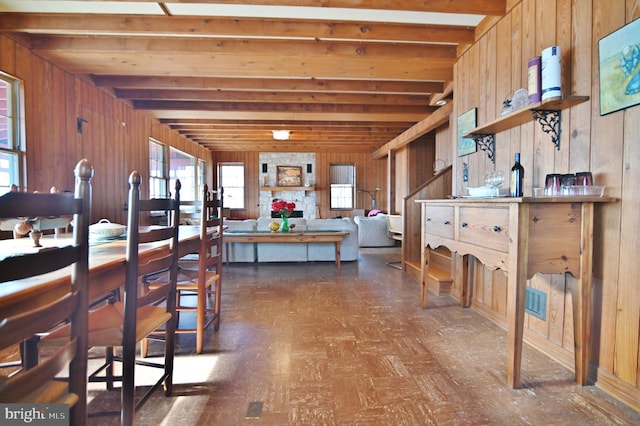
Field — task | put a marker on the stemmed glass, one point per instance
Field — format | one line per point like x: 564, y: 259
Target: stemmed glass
x: 494, y: 179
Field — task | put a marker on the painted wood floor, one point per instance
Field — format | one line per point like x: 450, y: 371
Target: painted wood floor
x: 311, y: 347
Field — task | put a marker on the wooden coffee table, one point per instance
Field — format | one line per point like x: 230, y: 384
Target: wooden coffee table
x: 335, y: 237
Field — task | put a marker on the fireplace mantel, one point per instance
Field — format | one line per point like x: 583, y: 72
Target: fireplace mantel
x: 287, y: 188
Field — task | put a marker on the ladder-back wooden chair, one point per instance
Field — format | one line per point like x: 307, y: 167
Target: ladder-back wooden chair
x: 200, y: 272
x: 124, y: 323
x: 53, y: 305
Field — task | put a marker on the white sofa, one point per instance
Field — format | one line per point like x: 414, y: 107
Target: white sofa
x: 326, y: 251
x: 293, y: 252
x: 282, y: 252
x: 373, y: 231
x: 239, y: 252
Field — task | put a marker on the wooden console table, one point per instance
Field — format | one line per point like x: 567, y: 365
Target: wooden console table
x: 335, y: 237
x: 522, y: 236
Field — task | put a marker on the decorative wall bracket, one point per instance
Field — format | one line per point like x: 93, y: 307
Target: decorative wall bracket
x: 487, y: 143
x: 550, y: 121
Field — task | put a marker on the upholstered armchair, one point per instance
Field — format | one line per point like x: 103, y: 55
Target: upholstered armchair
x: 373, y: 231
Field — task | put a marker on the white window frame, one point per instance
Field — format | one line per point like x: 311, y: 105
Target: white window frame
x: 342, y: 189
x: 187, y: 172
x: 234, y: 189
x: 13, y: 152
x: 158, y: 170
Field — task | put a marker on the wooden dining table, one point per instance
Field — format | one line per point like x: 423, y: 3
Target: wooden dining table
x: 106, y: 268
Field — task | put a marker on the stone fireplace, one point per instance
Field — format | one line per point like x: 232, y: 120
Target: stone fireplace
x: 305, y: 199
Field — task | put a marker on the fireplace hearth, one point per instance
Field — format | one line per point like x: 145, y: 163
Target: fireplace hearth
x: 295, y: 213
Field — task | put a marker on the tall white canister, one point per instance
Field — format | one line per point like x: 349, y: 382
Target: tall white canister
x: 551, y: 78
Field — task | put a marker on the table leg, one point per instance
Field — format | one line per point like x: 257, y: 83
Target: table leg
x: 581, y: 292
x: 516, y: 290
x: 467, y: 270
x: 338, y: 243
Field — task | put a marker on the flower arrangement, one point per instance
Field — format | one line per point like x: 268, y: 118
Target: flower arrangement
x: 282, y: 207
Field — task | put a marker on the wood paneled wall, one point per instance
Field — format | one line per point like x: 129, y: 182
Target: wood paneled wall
x: 494, y: 67
x: 369, y: 175
x: 113, y: 137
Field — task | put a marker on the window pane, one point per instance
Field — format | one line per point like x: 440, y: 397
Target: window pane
x: 158, y: 180
x: 5, y: 129
x: 232, y: 180
x: 5, y: 114
x: 156, y: 160
x: 233, y: 197
x: 12, y: 155
x: 202, y: 173
x: 9, y: 173
x: 342, y: 183
x: 157, y: 188
x: 183, y: 166
x: 341, y: 196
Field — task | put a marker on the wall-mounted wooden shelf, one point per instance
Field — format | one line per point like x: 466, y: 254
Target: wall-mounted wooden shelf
x: 546, y: 113
x: 288, y: 188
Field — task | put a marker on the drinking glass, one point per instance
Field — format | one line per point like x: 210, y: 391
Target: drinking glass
x: 552, y: 184
x: 494, y: 179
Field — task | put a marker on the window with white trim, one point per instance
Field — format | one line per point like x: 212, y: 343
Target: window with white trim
x: 184, y: 167
x: 158, y: 170
x: 342, y: 183
x: 231, y: 178
x: 12, y: 149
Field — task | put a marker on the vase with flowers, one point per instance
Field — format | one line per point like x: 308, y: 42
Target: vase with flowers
x: 284, y: 209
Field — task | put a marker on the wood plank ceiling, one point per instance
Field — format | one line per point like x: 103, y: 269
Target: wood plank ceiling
x: 340, y: 75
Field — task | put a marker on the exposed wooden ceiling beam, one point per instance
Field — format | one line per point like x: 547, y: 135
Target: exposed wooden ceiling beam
x: 241, y: 47
x: 287, y: 116
x: 299, y: 124
x: 270, y: 84
x: 273, y: 146
x: 285, y: 97
x: 179, y: 26
x: 482, y: 7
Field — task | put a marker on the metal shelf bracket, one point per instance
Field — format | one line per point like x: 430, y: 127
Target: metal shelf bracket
x: 487, y: 143
x: 550, y: 121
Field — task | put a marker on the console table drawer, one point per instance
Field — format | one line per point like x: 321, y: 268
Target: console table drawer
x: 439, y: 221
x: 485, y: 226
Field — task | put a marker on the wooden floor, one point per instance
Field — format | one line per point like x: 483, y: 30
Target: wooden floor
x: 311, y: 347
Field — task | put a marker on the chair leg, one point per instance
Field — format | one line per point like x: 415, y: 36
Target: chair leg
x: 200, y: 320
x: 29, y: 352
x: 218, y: 305
x: 144, y: 348
x: 127, y: 396
x: 109, y: 370
x: 169, y: 352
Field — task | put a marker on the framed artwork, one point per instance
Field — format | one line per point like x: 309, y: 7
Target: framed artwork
x: 619, y: 62
x: 466, y: 123
x: 289, y: 175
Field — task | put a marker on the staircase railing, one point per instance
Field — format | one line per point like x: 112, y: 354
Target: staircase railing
x: 439, y: 186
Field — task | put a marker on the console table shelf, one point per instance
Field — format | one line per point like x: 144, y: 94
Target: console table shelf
x: 546, y: 113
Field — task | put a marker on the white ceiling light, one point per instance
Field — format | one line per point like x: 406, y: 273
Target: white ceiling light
x: 281, y: 135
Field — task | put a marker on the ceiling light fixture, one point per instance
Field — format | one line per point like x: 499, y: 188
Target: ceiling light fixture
x: 441, y: 102
x: 281, y: 135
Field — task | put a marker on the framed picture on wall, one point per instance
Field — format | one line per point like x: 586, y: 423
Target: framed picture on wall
x: 289, y: 175
x: 466, y: 122
x: 619, y: 62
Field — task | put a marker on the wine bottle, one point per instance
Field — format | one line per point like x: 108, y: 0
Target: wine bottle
x: 517, y: 176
